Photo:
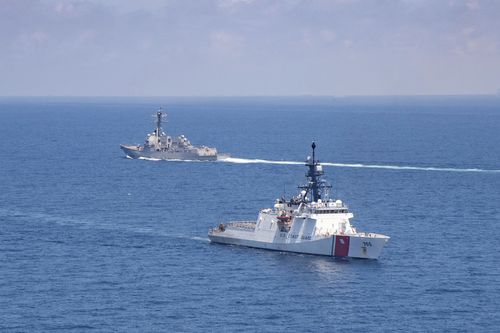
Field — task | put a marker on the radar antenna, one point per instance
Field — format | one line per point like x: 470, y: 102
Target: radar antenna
x: 316, y: 186
x: 160, y: 115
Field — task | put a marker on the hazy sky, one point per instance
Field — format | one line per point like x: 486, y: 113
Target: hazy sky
x: 249, y: 47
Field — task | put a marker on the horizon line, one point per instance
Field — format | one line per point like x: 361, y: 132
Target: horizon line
x: 254, y: 96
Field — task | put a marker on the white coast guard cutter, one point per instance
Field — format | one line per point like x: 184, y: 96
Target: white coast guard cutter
x: 309, y: 223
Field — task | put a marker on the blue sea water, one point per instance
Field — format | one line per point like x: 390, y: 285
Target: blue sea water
x: 93, y: 241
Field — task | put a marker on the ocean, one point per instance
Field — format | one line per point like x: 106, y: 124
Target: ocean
x: 93, y: 241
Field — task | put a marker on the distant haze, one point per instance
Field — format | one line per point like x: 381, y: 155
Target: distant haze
x: 249, y: 47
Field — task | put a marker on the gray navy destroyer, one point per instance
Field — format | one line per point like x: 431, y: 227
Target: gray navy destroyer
x: 309, y: 222
x: 161, y: 146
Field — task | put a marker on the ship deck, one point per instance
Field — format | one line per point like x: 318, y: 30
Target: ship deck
x: 241, y: 225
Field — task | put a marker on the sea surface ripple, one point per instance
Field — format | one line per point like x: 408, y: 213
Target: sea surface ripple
x: 93, y: 241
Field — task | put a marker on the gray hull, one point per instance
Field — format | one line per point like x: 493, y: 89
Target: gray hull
x: 137, y: 152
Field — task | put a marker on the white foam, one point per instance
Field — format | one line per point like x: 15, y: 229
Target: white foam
x: 357, y: 165
x: 338, y: 165
x: 149, y: 159
x: 203, y: 239
x: 396, y: 167
x: 256, y: 161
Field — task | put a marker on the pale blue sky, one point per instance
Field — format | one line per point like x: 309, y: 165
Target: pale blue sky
x: 249, y: 47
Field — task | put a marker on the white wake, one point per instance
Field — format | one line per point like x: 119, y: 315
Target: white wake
x: 358, y: 165
x: 237, y: 160
x: 256, y: 161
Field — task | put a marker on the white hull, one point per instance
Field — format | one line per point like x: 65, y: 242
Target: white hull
x: 354, y: 246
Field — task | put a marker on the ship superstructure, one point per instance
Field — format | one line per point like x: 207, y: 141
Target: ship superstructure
x: 310, y: 222
x: 159, y: 145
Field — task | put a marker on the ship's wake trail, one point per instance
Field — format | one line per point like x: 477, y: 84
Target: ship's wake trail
x: 257, y: 161
x: 13, y: 214
x: 358, y: 165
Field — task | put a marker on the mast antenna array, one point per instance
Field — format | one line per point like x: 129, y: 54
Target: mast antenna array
x: 316, y: 185
x: 160, y: 117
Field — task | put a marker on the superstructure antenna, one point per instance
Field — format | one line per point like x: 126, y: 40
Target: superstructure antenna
x: 160, y: 117
x: 316, y: 186
x: 313, y: 146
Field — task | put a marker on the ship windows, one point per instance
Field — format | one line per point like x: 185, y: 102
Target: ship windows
x: 331, y: 211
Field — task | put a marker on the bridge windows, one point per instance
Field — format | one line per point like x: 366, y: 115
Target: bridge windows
x: 331, y: 211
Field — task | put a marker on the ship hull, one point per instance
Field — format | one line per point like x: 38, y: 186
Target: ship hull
x: 353, y: 246
x: 309, y: 223
x: 136, y: 152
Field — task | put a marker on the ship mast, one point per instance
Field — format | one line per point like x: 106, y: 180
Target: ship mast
x: 158, y: 122
x: 316, y: 186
